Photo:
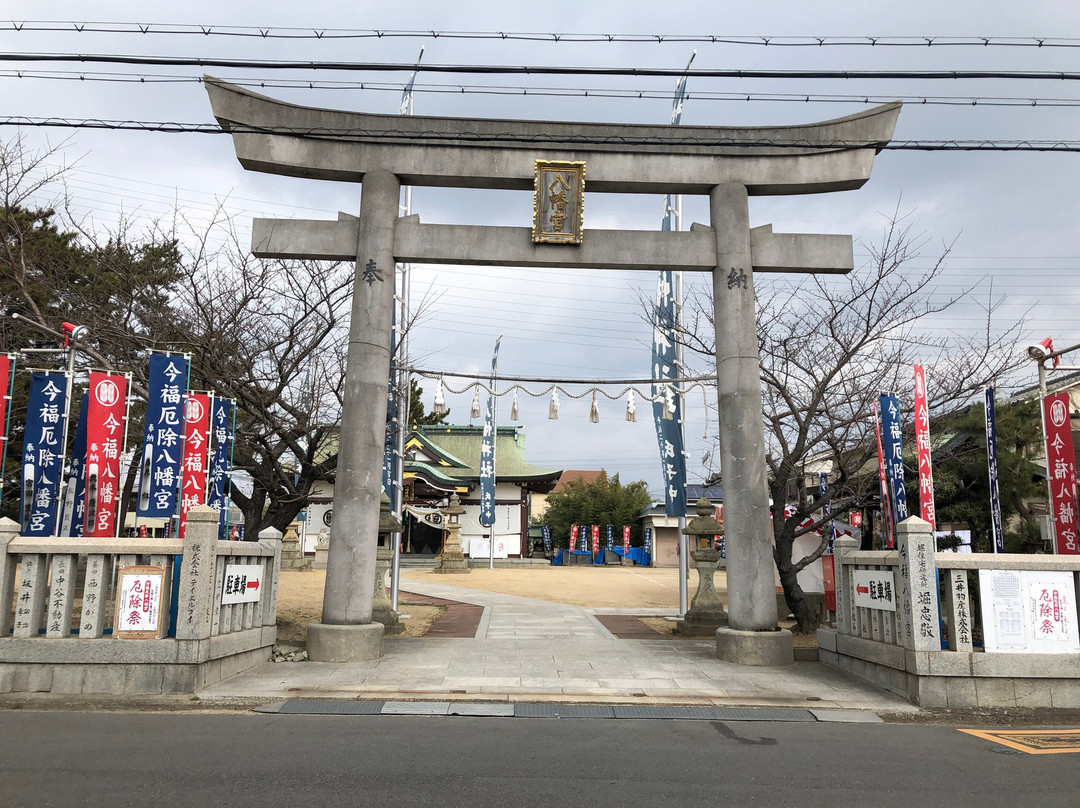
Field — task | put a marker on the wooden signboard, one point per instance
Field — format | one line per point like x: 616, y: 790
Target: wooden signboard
x: 140, y: 597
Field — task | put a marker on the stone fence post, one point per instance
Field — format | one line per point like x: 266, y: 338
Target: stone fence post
x: 196, y: 601
x: 918, y: 604
x: 9, y: 530
x: 845, y: 603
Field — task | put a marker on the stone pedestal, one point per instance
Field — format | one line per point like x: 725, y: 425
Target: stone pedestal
x: 292, y: 556
x: 382, y: 610
x: 452, y: 559
x: 706, y: 613
x: 763, y: 648
x: 356, y: 643
x: 322, y: 549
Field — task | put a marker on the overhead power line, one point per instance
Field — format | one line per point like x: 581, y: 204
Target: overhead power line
x: 276, y: 32
x: 552, y: 70
x: 541, y: 91
x: 624, y: 140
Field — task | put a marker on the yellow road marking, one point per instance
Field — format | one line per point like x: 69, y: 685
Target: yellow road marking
x: 1033, y: 741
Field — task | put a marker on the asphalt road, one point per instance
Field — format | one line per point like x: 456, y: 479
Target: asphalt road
x: 175, y: 760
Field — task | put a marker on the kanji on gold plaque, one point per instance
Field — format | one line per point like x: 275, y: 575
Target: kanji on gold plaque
x: 558, y: 202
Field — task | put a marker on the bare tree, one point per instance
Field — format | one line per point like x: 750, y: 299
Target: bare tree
x: 270, y: 334
x: 828, y: 348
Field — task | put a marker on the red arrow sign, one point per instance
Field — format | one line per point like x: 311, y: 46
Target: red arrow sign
x: 863, y: 589
x: 252, y: 584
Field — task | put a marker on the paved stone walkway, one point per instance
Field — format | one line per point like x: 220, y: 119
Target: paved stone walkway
x: 527, y: 649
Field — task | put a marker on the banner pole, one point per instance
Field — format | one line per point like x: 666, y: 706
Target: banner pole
x: 127, y: 422
x: 228, y: 472
x: 62, y: 491
x: 494, y: 404
x: 1049, y: 479
x: 175, y: 520
x: 8, y: 396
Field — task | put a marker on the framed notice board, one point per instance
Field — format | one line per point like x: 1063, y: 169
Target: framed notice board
x: 140, y: 595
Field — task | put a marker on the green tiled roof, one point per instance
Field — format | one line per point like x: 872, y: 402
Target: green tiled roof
x: 460, y: 446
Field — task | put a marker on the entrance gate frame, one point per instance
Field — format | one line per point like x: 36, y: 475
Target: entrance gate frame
x: 384, y: 152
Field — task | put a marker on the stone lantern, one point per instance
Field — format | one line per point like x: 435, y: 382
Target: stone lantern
x: 382, y: 610
x: 706, y: 613
x: 452, y: 559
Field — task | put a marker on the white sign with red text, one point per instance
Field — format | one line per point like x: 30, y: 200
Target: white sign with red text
x: 874, y: 589
x: 243, y: 584
x: 1031, y: 611
x: 139, y: 602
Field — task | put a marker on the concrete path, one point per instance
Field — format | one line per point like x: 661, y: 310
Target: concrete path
x: 534, y: 650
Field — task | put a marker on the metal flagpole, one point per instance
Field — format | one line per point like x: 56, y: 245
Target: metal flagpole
x: 684, y: 544
x: 119, y: 528
x: 73, y: 333
x: 6, y: 392
x: 1049, y: 477
x: 404, y: 377
x: 493, y: 403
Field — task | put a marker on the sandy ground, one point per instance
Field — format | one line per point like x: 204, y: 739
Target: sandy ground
x: 619, y: 587
x: 300, y: 596
x: 300, y: 593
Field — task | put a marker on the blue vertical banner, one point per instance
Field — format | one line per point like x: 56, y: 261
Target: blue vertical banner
x: 669, y: 429
x: 162, y: 441
x: 894, y: 456
x: 992, y: 461
x: 545, y: 533
x: 75, y: 498
x: 221, y: 430
x: 39, y: 476
x: 390, y: 456
x: 647, y: 540
x: 584, y: 533
x: 610, y: 536
x: 487, y: 453
x: 826, y: 510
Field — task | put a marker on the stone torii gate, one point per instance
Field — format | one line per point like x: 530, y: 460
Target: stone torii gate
x: 383, y: 152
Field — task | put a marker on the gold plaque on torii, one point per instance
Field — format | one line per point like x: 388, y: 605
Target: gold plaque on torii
x: 558, y: 202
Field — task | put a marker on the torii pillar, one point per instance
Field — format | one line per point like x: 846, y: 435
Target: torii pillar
x: 752, y: 636
x: 347, y: 633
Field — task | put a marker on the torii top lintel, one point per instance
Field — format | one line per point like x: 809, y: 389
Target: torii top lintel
x: 281, y: 138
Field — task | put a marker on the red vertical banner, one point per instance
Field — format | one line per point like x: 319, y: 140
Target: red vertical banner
x: 1061, y: 468
x: 105, y: 412
x: 626, y: 539
x: 828, y: 577
x: 573, y: 538
x: 5, y: 387
x: 595, y: 539
x: 922, y: 443
x: 196, y: 434
x: 883, y: 478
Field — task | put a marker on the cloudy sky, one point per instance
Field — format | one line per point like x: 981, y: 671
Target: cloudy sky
x: 1012, y: 216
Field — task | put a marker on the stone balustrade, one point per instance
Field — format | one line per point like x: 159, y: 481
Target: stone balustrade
x: 58, y: 605
x: 929, y: 649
